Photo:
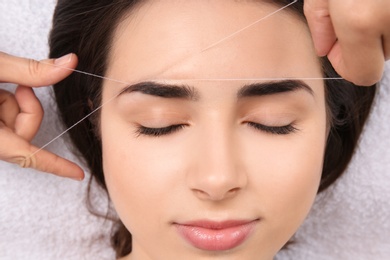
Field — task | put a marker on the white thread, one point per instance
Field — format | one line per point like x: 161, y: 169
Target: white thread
x: 70, y: 128
x: 246, y: 27
x: 85, y: 73
x: 199, y: 79
x: 249, y: 79
x: 192, y: 79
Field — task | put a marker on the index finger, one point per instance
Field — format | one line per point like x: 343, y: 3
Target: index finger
x: 320, y: 24
x: 34, y: 73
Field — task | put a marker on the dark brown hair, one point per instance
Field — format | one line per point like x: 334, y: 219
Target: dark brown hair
x: 86, y: 28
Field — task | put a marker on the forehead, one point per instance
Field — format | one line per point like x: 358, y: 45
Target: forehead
x: 167, y: 39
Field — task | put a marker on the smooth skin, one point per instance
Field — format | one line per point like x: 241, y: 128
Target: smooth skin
x: 217, y: 166
x: 340, y: 30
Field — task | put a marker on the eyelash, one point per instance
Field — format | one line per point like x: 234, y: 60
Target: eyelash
x: 276, y: 130
x: 156, y: 132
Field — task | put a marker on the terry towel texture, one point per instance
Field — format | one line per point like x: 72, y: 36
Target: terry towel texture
x: 45, y: 217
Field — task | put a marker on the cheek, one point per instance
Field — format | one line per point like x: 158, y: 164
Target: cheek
x: 294, y: 174
x: 138, y: 177
x: 285, y: 176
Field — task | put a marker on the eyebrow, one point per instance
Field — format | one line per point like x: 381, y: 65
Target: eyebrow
x: 273, y: 87
x: 190, y: 93
x: 163, y: 90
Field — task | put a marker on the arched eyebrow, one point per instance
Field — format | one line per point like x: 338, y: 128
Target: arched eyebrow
x: 273, y: 87
x: 190, y: 93
x: 163, y: 90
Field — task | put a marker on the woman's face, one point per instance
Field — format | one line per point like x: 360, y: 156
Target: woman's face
x: 212, y: 169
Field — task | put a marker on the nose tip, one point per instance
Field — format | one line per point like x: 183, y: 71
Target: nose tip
x: 218, y: 172
x: 217, y: 184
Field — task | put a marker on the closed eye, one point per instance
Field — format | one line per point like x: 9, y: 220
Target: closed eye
x: 277, y: 130
x: 156, y: 132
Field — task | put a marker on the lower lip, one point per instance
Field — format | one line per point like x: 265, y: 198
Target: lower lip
x: 216, y: 239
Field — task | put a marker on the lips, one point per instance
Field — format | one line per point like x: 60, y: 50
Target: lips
x: 216, y: 236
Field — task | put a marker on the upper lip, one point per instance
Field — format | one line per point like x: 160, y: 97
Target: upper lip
x: 216, y: 225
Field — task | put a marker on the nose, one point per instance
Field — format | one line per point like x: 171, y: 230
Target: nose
x: 217, y: 174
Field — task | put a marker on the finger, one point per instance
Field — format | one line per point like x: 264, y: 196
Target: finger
x: 33, y: 73
x: 358, y: 55
x: 51, y: 163
x: 15, y: 149
x: 363, y: 69
x: 320, y: 24
x: 31, y: 113
x: 9, y: 108
x: 45, y: 161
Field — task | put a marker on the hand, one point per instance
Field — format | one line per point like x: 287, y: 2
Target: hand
x: 354, y: 34
x: 21, y: 114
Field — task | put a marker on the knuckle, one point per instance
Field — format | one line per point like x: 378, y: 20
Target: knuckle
x: 313, y: 13
x: 25, y: 161
x: 34, y: 69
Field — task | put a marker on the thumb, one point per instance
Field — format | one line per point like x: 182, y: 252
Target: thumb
x: 320, y: 24
x: 28, y: 72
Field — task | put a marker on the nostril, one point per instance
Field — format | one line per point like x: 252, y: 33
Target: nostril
x: 201, y: 194
x: 233, y: 191
x: 214, y: 195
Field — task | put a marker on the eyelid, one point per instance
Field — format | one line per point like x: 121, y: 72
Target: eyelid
x: 270, y: 116
x: 271, y: 121
x: 277, y: 130
x: 157, y: 132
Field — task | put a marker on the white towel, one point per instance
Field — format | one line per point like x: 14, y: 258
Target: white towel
x: 351, y: 219
x: 45, y: 217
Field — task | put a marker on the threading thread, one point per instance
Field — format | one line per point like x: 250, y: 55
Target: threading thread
x: 199, y: 79
x: 247, y: 27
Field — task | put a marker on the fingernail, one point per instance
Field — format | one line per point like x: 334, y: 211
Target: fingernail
x: 63, y: 60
